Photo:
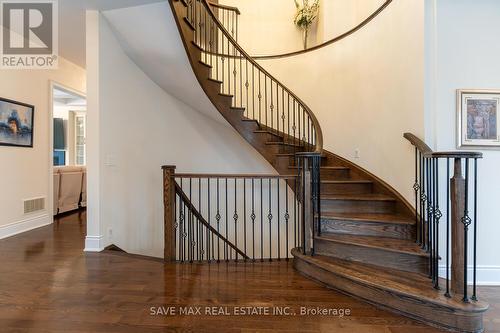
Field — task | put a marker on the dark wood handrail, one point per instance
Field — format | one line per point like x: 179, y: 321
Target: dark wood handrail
x: 231, y: 8
x: 202, y: 220
x: 427, y: 152
x: 415, y: 140
x: 318, y: 132
x: 233, y: 176
x: 454, y: 154
x: 331, y: 41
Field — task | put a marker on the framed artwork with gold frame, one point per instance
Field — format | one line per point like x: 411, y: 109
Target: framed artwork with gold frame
x: 478, y: 118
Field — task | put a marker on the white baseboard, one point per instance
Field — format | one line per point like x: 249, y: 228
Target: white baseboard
x: 28, y: 224
x: 94, y: 244
x: 487, y: 275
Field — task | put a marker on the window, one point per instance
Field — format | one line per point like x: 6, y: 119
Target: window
x: 80, y: 135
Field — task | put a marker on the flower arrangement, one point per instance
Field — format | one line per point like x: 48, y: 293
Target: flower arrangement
x: 305, y: 16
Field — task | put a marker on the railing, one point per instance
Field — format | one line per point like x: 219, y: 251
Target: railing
x: 231, y: 217
x: 251, y: 87
x: 457, y: 198
x: 228, y: 16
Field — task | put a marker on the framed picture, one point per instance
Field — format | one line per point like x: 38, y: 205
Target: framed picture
x: 16, y: 123
x: 478, y: 118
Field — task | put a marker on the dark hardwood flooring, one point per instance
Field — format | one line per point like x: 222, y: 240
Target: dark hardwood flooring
x: 47, y: 284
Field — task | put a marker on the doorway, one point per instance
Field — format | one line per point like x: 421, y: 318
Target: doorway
x: 68, y: 152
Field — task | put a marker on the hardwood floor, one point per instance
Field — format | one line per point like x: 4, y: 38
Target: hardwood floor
x: 47, y: 284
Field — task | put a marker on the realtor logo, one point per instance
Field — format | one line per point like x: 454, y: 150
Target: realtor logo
x: 29, y: 38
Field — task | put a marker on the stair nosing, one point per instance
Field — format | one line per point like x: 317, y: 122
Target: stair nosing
x: 335, y: 216
x: 347, y: 181
x: 215, y: 80
x: 330, y: 267
x: 205, y: 64
x: 357, y: 197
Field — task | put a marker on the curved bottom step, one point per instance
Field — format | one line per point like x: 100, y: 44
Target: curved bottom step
x: 409, y: 294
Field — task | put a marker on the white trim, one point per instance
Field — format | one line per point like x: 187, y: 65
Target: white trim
x: 94, y: 244
x: 28, y: 224
x: 487, y: 275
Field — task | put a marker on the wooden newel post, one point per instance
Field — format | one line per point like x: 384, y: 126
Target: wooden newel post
x: 169, y: 211
x: 457, y: 189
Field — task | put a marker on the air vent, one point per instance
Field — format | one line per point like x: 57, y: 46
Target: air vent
x: 34, y: 205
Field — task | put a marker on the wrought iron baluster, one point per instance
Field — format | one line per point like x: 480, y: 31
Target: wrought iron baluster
x: 235, y: 216
x: 448, y: 216
x: 245, y: 216
x: 253, y: 216
x: 191, y: 225
x: 270, y: 218
x: 466, y: 222
x: 287, y: 217
x: 474, y: 263
x: 217, y: 218
x: 438, y: 215
x: 278, y: 214
x: 226, y: 215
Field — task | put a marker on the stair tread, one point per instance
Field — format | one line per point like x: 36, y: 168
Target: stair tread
x: 407, y: 283
x: 358, y: 197
x: 375, y: 242
x: 282, y: 143
x: 347, y: 181
x: 370, y: 217
x: 325, y: 167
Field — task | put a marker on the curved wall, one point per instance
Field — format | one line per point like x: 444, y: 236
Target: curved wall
x: 367, y: 90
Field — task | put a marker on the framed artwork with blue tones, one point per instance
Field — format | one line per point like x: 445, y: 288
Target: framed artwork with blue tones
x: 16, y: 123
x: 478, y: 118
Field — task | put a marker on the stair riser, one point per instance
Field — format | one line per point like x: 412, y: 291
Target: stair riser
x: 364, y: 228
x: 415, y: 308
x: 361, y: 206
x: 284, y: 149
x: 346, y: 188
x: 336, y: 174
x: 373, y: 256
x: 271, y: 137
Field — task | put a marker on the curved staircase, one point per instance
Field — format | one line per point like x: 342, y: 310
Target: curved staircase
x: 366, y: 246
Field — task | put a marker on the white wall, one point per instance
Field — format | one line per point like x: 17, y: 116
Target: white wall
x: 25, y: 171
x: 463, y: 52
x: 133, y: 130
x: 367, y: 90
x: 274, y: 20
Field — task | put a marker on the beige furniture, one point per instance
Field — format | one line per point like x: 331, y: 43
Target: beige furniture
x: 68, y: 188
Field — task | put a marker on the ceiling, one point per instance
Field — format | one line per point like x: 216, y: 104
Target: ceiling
x: 66, y: 98
x: 72, y: 24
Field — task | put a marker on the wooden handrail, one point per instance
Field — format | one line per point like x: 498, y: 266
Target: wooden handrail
x: 231, y: 8
x: 318, y: 132
x: 454, y: 154
x: 331, y: 41
x: 233, y: 176
x: 427, y: 152
x: 415, y: 140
